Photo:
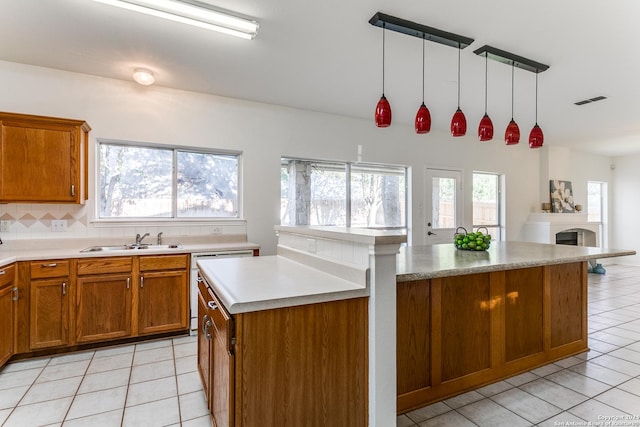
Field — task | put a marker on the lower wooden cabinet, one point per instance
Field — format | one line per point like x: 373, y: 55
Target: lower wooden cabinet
x: 49, y: 313
x: 7, y: 313
x: 163, y: 294
x: 286, y: 367
x: 49, y: 307
x: 103, y: 298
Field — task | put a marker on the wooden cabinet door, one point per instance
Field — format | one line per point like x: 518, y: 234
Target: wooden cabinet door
x: 40, y: 162
x: 205, y: 326
x: 163, y: 302
x: 103, y: 307
x: 49, y: 313
x: 7, y: 328
x: 222, y: 371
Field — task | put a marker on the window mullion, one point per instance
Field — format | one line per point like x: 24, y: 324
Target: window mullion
x: 174, y: 185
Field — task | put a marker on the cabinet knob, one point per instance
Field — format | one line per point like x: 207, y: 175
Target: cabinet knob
x: 73, y: 190
x: 3, y: 272
x: 212, y: 305
x: 16, y: 294
x: 142, y: 281
x: 53, y: 264
x: 128, y: 282
x: 64, y: 288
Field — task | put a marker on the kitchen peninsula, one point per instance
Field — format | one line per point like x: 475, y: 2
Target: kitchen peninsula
x: 458, y: 319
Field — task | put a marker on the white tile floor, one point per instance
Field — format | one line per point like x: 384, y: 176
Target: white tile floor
x: 157, y: 384
x: 589, y: 389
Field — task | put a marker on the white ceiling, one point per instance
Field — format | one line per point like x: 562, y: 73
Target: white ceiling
x: 325, y: 56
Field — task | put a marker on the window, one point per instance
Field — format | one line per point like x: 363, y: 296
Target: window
x: 486, y: 203
x: 595, y: 201
x: 147, y: 181
x: 342, y: 194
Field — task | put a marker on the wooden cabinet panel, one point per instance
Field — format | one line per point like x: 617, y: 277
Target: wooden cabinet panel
x: 302, y: 366
x: 524, y: 330
x: 105, y: 265
x: 49, y: 268
x: 413, y: 335
x: 49, y: 313
x: 42, y: 159
x: 103, y: 307
x: 465, y: 322
x: 567, y: 284
x: 164, y: 262
x: 163, y: 302
x: 204, y: 341
x: 7, y: 304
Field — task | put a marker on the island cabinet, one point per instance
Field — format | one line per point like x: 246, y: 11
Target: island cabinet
x: 43, y: 159
x: 457, y: 333
x: 7, y: 313
x: 49, y: 306
x: 103, y: 298
x: 163, y: 289
x: 287, y: 367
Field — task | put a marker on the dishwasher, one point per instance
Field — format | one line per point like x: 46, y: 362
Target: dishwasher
x: 193, y: 277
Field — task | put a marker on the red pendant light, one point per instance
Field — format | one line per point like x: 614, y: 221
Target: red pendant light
x: 512, y: 134
x: 485, y: 129
x: 458, y: 121
x: 536, y: 137
x: 423, y: 117
x: 383, y: 109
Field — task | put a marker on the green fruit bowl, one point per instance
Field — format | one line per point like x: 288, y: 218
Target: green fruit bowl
x: 474, y: 241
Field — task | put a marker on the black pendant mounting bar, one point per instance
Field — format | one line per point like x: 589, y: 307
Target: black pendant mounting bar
x: 511, y: 59
x: 418, y: 30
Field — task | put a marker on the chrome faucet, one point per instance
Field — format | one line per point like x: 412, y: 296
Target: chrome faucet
x: 159, y: 241
x: 139, y: 239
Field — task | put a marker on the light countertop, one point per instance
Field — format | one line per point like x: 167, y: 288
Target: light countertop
x: 425, y: 262
x: 12, y: 251
x: 267, y: 282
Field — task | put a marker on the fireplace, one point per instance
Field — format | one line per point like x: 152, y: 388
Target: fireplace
x: 561, y: 228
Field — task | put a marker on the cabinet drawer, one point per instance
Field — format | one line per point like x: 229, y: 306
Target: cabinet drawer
x: 105, y: 265
x: 49, y: 268
x: 164, y: 262
x: 7, y: 273
x: 221, y: 319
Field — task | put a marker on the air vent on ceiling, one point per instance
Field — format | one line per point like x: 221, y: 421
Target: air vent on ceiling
x: 587, y: 101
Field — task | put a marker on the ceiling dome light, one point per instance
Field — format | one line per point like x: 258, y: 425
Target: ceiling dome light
x: 143, y: 76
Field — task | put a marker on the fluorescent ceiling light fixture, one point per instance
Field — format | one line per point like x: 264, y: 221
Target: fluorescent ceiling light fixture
x: 143, y: 76
x: 192, y: 13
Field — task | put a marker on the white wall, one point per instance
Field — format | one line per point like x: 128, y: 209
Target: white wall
x: 124, y: 110
x: 625, y: 207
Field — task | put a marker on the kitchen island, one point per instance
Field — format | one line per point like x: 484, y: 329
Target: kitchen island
x: 466, y: 319
x: 435, y: 322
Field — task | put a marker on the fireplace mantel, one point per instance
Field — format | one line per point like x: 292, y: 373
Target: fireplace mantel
x: 542, y: 227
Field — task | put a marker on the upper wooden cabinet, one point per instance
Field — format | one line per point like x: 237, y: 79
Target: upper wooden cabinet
x: 43, y: 159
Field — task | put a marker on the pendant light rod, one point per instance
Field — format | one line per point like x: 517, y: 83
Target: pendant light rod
x: 512, y: 70
x: 418, y: 30
x: 459, y: 50
x: 511, y: 59
x: 486, y: 80
x: 383, y: 33
x: 423, y: 43
x: 537, y: 98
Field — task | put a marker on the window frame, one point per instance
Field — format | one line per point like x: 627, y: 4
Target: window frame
x: 347, y: 165
x: 174, y: 148
x: 499, y: 202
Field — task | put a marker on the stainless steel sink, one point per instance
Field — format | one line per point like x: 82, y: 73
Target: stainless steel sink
x: 129, y: 247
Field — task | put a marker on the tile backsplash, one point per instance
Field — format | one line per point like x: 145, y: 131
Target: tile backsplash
x: 34, y: 221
